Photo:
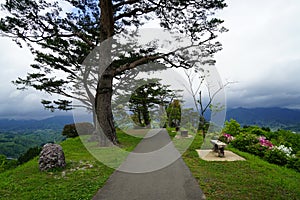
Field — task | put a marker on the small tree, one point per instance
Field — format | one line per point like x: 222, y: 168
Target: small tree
x: 70, y: 131
x: 145, y: 98
x: 73, y: 130
x: 29, y: 154
x: 174, y: 113
x: 232, y: 127
x: 196, y: 79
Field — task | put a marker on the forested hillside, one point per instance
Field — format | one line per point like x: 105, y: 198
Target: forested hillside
x: 275, y: 118
x: 17, y: 136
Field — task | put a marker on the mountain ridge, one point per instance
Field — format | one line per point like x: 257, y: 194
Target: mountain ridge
x: 273, y: 117
x: 55, y: 122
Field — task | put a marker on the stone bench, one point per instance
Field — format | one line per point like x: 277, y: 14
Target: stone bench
x: 218, y: 147
x: 184, y: 133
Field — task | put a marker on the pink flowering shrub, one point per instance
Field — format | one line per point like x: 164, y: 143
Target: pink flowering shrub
x: 227, y: 138
x: 264, y: 142
x: 284, y: 150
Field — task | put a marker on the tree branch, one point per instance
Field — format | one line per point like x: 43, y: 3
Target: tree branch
x: 129, y: 2
x: 134, y: 12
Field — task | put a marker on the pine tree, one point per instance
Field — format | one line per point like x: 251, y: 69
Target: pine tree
x: 60, y: 40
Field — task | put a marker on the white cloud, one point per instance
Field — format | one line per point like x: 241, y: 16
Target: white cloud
x: 261, y: 52
x: 15, y: 62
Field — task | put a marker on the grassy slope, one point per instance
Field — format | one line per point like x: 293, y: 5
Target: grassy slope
x: 251, y: 179
x: 81, y: 179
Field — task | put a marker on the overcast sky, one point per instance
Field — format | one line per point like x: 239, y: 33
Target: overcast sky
x: 261, y: 52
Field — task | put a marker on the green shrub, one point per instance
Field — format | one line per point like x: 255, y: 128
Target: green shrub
x: 243, y: 141
x: 6, y: 164
x: 257, y: 131
x: 276, y: 156
x: 267, y: 129
x: 29, y: 154
x: 72, y: 130
x: 257, y: 150
x: 232, y: 127
x: 294, y: 163
x: 222, y: 138
x: 286, y: 138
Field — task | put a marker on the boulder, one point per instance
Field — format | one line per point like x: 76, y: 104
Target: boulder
x: 51, y: 156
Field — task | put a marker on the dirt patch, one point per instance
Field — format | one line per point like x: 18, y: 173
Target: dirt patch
x: 209, y: 155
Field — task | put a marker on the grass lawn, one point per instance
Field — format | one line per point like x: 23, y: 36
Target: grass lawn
x: 250, y: 179
x: 84, y: 175
x: 81, y: 179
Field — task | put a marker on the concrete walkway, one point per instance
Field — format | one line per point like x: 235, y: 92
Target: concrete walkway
x: 173, y: 181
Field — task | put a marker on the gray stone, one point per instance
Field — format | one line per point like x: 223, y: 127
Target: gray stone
x: 184, y: 133
x: 51, y: 156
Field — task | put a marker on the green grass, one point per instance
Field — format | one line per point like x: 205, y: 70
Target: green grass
x: 181, y: 143
x: 171, y: 132
x: 81, y: 179
x: 84, y: 175
x: 250, y: 179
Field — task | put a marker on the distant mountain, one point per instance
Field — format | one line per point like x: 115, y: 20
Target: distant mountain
x: 56, y: 122
x: 271, y: 117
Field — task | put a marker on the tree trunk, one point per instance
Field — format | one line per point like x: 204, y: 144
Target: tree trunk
x: 106, y: 20
x: 146, y: 115
x: 139, y: 117
x: 201, y: 125
x: 104, y: 110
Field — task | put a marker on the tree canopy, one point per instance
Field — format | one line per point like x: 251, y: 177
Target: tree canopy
x: 62, y: 34
x: 146, y: 97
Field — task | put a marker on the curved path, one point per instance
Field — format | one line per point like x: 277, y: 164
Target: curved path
x: 172, y: 182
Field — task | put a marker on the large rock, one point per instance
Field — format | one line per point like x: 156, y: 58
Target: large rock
x: 51, y: 156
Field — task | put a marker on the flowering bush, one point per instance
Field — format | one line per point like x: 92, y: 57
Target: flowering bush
x: 276, y: 156
x: 227, y: 138
x: 232, y: 127
x: 257, y: 149
x: 243, y: 141
x: 264, y: 142
x: 287, y: 150
x: 282, y: 155
x: 254, y: 140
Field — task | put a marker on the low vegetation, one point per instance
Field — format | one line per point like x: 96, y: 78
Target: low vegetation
x: 81, y: 179
x: 250, y: 179
x: 74, y: 130
x: 14, y: 143
x: 254, y: 178
x: 280, y: 147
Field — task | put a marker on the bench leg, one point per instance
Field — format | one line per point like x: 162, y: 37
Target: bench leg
x: 221, y: 152
x: 215, y: 148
